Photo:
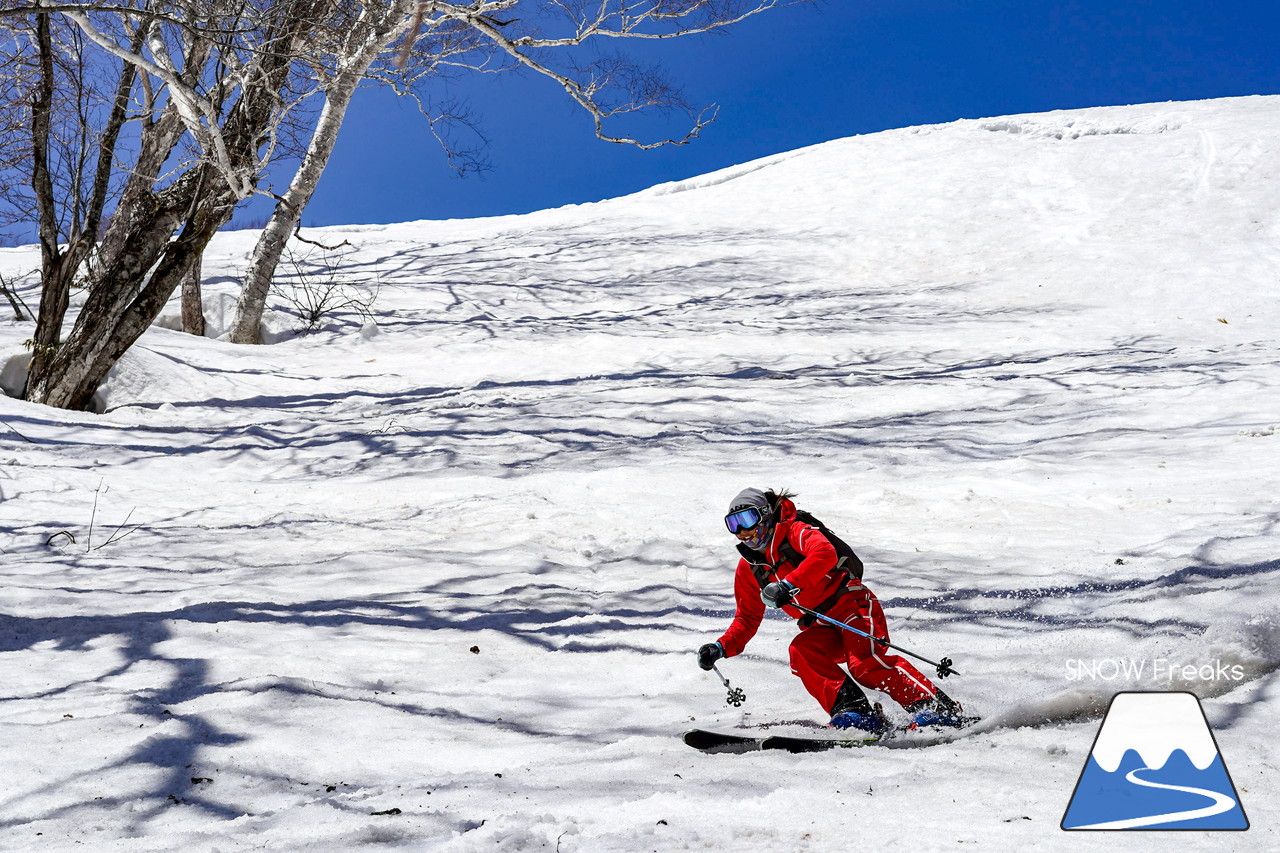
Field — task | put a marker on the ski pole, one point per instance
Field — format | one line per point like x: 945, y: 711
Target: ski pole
x: 943, y: 666
x: 736, y: 694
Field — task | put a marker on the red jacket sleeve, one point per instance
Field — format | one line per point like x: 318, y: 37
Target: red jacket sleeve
x: 749, y: 613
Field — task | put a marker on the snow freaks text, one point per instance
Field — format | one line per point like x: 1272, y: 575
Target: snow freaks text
x: 1159, y: 670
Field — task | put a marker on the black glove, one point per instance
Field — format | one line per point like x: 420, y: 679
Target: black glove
x: 709, y: 654
x: 778, y: 594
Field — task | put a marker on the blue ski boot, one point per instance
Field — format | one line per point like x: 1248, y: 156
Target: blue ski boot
x: 936, y: 718
x: 944, y: 712
x: 875, y: 722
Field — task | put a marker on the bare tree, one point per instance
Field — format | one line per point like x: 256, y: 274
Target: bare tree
x: 212, y: 71
x: 77, y: 221
x: 194, y: 96
x: 488, y: 36
x: 372, y: 28
x: 609, y: 86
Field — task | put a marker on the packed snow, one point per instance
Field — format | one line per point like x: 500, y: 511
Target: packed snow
x: 433, y: 579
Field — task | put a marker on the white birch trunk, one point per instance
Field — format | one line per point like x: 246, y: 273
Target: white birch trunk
x: 385, y: 25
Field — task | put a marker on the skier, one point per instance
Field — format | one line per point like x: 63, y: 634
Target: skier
x: 785, y: 560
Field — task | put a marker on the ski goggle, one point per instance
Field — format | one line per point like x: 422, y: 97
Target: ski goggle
x: 743, y: 519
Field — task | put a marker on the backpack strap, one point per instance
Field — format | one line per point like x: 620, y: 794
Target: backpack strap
x: 789, y: 553
x: 764, y: 573
x: 849, y: 562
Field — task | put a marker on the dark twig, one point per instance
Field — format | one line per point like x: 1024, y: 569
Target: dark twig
x: 15, y: 301
x: 15, y: 432
x: 93, y: 517
x: 116, y: 538
x: 297, y: 235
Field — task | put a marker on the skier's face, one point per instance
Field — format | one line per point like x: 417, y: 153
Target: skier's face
x: 749, y: 525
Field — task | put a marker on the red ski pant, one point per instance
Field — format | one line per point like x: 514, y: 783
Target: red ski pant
x: 818, y: 651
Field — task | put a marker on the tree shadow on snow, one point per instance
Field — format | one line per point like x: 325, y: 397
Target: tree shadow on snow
x: 182, y: 736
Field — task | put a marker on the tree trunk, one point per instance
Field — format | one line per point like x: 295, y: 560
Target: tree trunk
x: 55, y: 290
x: 130, y: 293
x: 192, y: 303
x: 246, y: 327
x: 59, y: 264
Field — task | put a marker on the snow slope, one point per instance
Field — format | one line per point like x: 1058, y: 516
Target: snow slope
x: 455, y: 563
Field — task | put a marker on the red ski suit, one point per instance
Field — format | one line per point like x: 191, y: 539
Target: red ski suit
x: 818, y: 650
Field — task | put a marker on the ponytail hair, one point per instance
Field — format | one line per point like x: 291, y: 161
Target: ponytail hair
x: 776, y: 498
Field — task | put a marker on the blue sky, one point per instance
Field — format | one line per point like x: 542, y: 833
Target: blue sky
x: 802, y: 75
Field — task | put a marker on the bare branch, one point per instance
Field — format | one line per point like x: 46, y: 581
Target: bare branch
x: 585, y: 95
x: 47, y: 7
x: 198, y: 113
x: 15, y: 301
x: 297, y: 235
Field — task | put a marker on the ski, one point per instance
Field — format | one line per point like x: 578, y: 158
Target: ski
x: 708, y: 741
x: 818, y: 744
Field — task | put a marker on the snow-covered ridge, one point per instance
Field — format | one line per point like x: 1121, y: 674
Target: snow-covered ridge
x: 1154, y: 724
x: 718, y: 177
x: 1064, y: 128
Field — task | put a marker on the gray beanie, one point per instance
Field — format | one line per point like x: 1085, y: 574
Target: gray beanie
x: 750, y: 498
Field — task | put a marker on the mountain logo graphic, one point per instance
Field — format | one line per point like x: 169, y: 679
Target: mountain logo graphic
x: 1155, y: 765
